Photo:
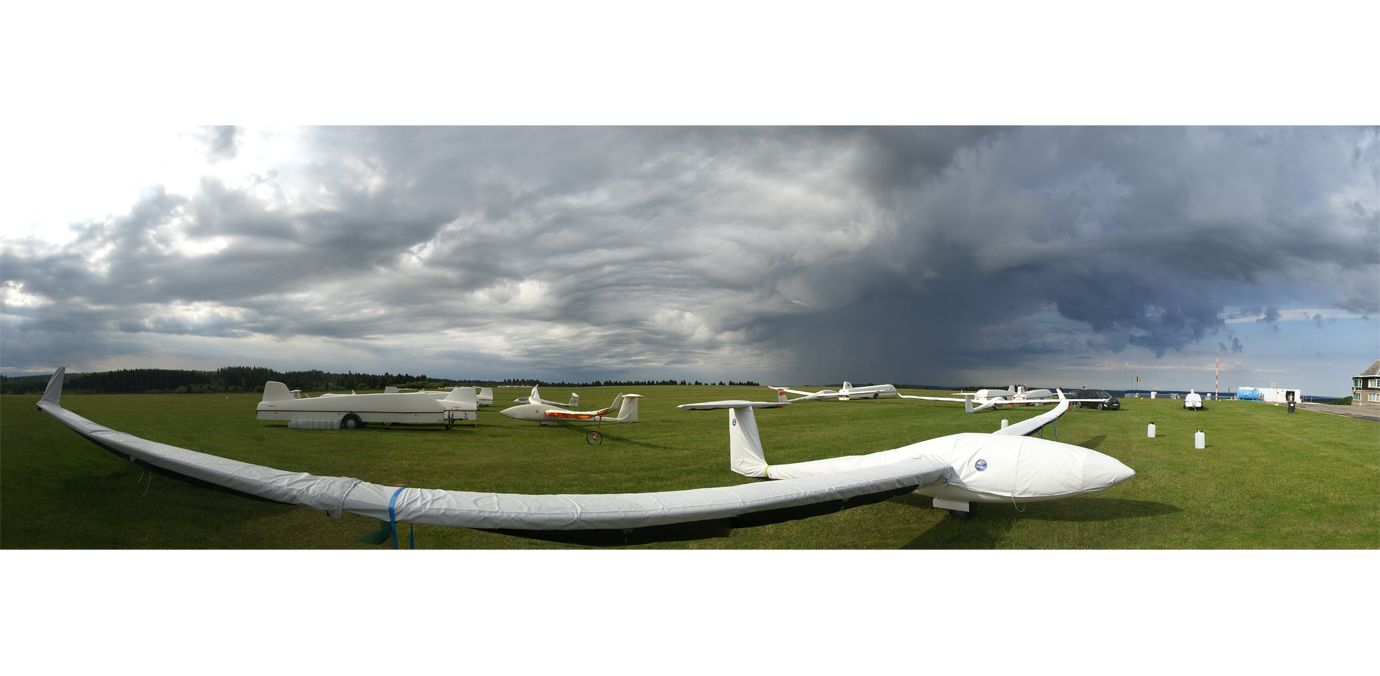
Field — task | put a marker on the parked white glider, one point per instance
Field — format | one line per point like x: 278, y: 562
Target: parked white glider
x: 482, y: 396
x: 354, y: 410
x: 534, y: 398
x: 546, y: 412
x: 530, y: 515
x: 1015, y: 394
x: 958, y: 470
x: 848, y: 392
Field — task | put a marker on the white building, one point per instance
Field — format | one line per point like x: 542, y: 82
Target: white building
x: 1279, y: 395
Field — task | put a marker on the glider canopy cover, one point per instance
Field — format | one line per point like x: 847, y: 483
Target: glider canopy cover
x: 334, y: 495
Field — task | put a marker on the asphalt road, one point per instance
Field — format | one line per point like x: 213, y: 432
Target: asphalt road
x: 1371, y: 413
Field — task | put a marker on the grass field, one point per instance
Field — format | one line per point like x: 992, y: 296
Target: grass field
x: 1266, y: 480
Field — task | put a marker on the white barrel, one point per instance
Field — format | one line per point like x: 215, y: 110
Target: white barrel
x: 1199, y: 440
x: 335, y: 424
x: 1004, y: 423
x: 292, y: 424
x: 1150, y: 431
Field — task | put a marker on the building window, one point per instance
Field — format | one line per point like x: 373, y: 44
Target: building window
x: 1375, y: 383
x: 1373, y: 396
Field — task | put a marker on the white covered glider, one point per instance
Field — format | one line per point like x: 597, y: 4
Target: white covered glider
x: 482, y: 396
x: 1004, y: 466
x: 354, y: 410
x: 848, y: 392
x: 535, y: 398
x: 733, y: 506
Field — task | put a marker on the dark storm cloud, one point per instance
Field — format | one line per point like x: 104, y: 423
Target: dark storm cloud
x: 869, y: 251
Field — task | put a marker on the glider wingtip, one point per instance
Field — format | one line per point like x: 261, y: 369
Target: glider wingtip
x: 53, y: 393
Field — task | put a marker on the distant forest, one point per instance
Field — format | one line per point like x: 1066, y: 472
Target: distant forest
x: 252, y: 379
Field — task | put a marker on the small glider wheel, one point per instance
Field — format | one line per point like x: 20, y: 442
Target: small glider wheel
x: 960, y: 514
x: 594, y: 438
x: 351, y: 422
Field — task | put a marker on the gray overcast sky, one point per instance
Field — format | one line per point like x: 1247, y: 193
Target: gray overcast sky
x: 785, y: 251
x: 931, y: 255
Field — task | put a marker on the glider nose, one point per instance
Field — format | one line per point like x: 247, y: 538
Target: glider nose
x: 508, y: 412
x: 1101, y: 472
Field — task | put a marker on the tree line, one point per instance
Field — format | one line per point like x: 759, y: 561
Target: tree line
x: 252, y: 378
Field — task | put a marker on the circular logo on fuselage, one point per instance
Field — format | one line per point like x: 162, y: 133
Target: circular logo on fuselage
x: 981, y: 465
x: 735, y: 422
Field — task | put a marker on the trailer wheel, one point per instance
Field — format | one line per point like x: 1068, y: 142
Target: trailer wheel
x: 960, y: 514
x: 351, y: 422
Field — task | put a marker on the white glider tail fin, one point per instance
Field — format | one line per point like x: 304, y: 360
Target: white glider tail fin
x: 781, y: 396
x: 967, y: 403
x: 744, y: 446
x: 574, y: 399
x: 276, y: 391
x: 53, y: 393
x: 628, y: 412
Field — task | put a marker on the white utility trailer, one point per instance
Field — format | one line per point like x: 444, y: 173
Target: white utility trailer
x: 355, y: 410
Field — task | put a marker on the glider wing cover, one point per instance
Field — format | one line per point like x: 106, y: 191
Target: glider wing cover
x: 1028, y: 427
x: 332, y: 495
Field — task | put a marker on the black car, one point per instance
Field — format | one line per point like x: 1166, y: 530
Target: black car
x: 1112, y: 404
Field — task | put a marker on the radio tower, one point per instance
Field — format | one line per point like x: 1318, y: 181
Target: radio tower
x: 1215, y: 370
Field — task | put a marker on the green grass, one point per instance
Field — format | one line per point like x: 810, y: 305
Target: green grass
x: 1266, y: 479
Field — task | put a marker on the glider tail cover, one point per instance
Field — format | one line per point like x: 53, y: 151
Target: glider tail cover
x: 464, y: 395
x: 627, y: 413
x: 276, y: 391
x: 744, y: 446
x: 968, y: 403
x: 53, y: 393
x: 574, y: 400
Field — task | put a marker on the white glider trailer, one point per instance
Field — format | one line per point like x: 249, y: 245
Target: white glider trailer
x: 355, y: 410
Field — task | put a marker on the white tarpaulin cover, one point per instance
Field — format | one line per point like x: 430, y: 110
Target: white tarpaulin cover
x: 332, y: 495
